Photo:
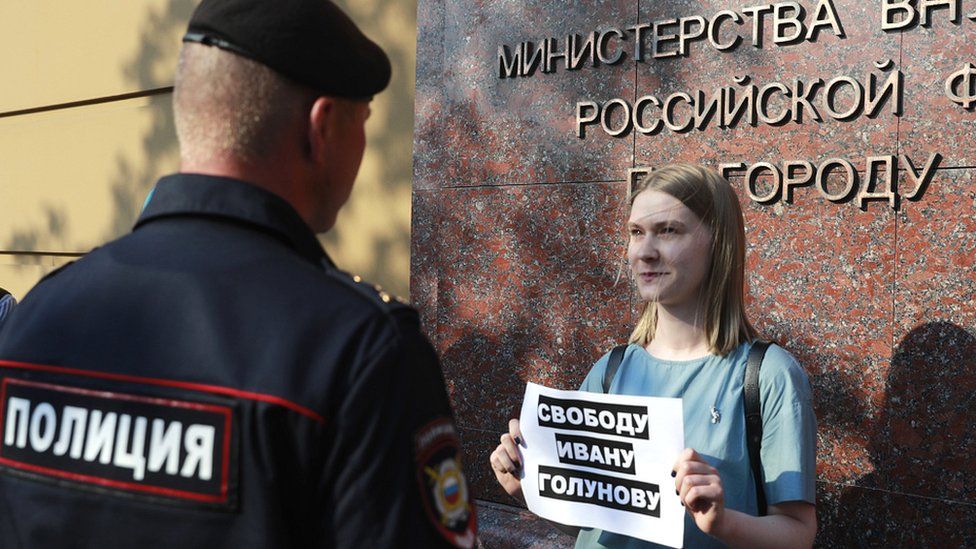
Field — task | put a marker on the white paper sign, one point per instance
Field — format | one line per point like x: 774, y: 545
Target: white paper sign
x: 603, y: 461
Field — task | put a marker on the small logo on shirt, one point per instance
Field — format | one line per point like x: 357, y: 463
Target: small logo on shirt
x: 443, y: 488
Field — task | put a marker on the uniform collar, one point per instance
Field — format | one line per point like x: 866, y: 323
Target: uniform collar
x: 185, y: 194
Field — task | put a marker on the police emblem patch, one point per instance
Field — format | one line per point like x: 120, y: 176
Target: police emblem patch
x: 443, y: 487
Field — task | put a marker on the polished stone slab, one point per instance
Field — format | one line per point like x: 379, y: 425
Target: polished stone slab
x: 517, y: 240
x: 474, y: 128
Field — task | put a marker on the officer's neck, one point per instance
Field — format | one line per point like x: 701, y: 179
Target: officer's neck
x: 277, y: 177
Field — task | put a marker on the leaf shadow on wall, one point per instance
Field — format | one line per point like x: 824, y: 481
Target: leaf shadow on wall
x: 134, y: 175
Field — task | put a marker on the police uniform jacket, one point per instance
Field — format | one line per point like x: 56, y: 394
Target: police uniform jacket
x: 212, y: 380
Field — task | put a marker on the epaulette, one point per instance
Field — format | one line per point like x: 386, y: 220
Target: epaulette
x: 374, y: 293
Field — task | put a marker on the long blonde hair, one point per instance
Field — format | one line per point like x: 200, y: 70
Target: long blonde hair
x: 711, y: 198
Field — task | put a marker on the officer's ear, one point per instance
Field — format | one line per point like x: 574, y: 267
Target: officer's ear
x: 322, y: 127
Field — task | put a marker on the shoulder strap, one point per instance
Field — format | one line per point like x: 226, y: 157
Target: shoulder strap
x: 754, y: 423
x: 616, y: 357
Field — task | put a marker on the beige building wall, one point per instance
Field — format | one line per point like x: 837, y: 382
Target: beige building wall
x: 86, y: 129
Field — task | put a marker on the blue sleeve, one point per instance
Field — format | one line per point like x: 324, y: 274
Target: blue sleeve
x: 789, y: 444
x: 593, y: 382
x: 7, y: 303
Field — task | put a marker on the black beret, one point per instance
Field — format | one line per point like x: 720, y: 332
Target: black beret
x: 310, y: 41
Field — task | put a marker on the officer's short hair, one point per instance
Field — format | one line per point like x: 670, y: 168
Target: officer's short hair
x: 248, y: 67
x: 226, y: 104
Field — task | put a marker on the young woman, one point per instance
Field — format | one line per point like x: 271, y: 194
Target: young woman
x: 686, y: 254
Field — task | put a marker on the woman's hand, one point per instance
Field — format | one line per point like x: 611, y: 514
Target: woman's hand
x: 788, y: 524
x: 506, y: 461
x: 701, y: 492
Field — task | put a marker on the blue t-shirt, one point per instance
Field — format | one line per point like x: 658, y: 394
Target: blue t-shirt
x: 789, y: 426
x: 7, y: 303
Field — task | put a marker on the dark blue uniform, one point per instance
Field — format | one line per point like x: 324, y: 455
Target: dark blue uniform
x: 212, y: 380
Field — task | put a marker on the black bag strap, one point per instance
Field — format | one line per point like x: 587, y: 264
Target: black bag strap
x: 754, y: 423
x: 616, y: 357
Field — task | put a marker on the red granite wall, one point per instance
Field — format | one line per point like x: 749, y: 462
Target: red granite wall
x: 517, y: 230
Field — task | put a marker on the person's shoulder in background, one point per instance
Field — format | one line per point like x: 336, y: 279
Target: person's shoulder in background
x: 7, y: 303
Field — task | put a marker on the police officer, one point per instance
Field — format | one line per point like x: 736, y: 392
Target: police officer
x: 212, y: 379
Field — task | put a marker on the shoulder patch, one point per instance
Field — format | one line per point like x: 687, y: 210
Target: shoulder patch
x: 443, y: 488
